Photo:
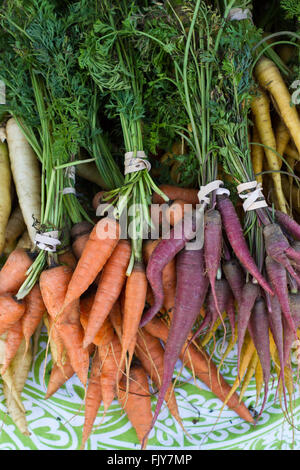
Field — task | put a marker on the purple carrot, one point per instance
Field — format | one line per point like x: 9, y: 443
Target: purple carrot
x: 162, y: 254
x: 216, y: 305
x: 278, y: 278
x: 213, y: 250
x: 288, y: 223
x: 278, y: 248
x: 190, y: 294
x: 237, y: 241
x: 259, y: 331
x: 289, y: 336
x: 230, y: 311
x: 249, y: 295
x: 235, y: 276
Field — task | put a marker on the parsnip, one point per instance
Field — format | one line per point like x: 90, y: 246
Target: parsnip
x: 25, y: 242
x: 26, y: 175
x: 15, y: 227
x: 5, y: 192
x: 89, y: 172
x: 19, y: 369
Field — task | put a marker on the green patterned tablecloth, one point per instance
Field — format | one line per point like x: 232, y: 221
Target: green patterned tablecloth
x: 56, y: 423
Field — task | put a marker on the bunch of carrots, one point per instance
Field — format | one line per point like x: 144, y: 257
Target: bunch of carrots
x: 121, y: 308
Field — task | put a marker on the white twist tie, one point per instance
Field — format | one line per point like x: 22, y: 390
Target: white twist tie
x: 239, y: 14
x: 70, y: 172
x: 69, y: 190
x: 137, y: 163
x: 254, y: 199
x: 209, y: 188
x: 47, y: 241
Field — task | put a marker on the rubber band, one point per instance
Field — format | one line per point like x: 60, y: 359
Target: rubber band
x: 209, y: 188
x: 239, y: 14
x: 47, y: 241
x: 137, y: 163
x: 254, y: 198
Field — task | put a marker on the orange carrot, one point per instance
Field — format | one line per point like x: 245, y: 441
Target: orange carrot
x: 177, y: 210
x: 56, y: 344
x: 110, y: 358
x: 190, y: 196
x: 13, y: 273
x: 79, y: 244
x: 68, y: 259
x: 99, y: 247
x: 13, y: 340
x: 54, y: 283
x: 93, y: 400
x: 58, y: 377
x: 134, y: 303
x: 151, y: 354
x: 34, y: 311
x: 11, y: 310
x: 203, y: 368
x: 115, y: 317
x: 137, y: 403
x: 109, y: 288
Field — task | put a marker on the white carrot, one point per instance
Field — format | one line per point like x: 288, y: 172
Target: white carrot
x: 5, y: 192
x: 26, y: 175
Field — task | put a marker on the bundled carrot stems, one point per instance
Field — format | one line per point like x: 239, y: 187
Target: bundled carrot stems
x: 150, y: 200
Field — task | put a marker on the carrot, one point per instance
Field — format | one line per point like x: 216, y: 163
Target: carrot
x: 14, y: 228
x: 257, y: 156
x: 25, y: 242
x: 34, y: 311
x: 79, y: 244
x: 176, y: 210
x: 259, y: 331
x: 278, y: 277
x: 58, y: 377
x: 282, y: 136
x: 115, y: 317
x: 109, y: 288
x: 11, y: 310
x: 110, y: 358
x: 198, y: 362
x: 276, y: 327
x: 162, y: 254
x: 217, y: 302
x: 190, y: 295
x: 5, y: 192
x: 67, y: 258
x: 93, y: 400
x: 249, y: 295
x: 212, y: 254
x: 188, y: 195
x: 268, y: 75
x: 13, y: 341
x: 26, y: 175
x: 236, y: 239
x: 260, y: 106
x: 57, y: 347
x: 137, y: 404
x: 134, y: 303
x: 13, y: 273
x: 235, y: 277
x: 54, y: 283
x: 168, y: 276
x: 99, y: 247
x: 151, y: 355
x: 288, y: 223
x: 249, y: 374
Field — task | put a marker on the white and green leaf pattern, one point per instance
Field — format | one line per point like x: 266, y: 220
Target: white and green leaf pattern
x: 56, y: 423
